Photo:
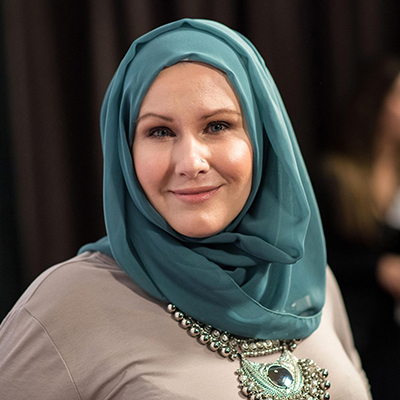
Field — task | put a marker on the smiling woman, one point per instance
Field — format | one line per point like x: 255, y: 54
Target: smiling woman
x: 191, y: 152
x: 210, y: 216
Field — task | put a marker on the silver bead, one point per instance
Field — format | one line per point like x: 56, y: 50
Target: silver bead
x: 178, y: 315
x: 186, y: 323
x: 245, y: 390
x: 327, y: 385
x: 224, y: 337
x: 225, y: 351
x: 204, y: 338
x: 194, y: 331
x: 214, y: 346
x: 233, y: 356
x: 171, y: 308
x: 216, y: 333
x: 233, y: 342
x: 244, y: 346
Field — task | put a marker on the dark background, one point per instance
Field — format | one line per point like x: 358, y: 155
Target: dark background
x: 57, y: 57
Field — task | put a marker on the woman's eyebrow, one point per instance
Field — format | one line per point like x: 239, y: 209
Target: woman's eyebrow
x: 205, y: 116
x: 150, y: 114
x: 221, y: 111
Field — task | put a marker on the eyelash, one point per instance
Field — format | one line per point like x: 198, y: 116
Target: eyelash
x: 152, y: 132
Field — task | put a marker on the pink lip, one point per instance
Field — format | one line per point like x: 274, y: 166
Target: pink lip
x: 196, y: 195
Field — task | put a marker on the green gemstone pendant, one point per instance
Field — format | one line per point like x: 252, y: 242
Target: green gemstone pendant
x: 285, y: 378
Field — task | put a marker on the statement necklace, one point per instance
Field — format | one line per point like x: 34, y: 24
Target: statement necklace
x: 285, y: 378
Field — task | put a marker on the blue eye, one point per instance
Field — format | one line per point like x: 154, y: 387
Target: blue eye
x: 216, y: 127
x: 160, y: 132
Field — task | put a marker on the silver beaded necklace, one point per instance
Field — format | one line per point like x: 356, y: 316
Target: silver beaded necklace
x: 285, y: 378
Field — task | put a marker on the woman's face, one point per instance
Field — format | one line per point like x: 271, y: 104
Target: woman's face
x: 192, y: 154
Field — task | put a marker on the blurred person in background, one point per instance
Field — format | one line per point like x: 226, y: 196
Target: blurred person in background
x: 359, y: 192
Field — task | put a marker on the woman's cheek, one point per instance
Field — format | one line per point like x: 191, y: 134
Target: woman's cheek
x: 147, y: 167
x: 238, y: 160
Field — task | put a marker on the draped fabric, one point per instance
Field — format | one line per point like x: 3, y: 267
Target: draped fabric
x: 264, y: 274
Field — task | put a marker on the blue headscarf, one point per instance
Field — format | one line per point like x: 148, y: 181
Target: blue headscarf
x: 264, y: 274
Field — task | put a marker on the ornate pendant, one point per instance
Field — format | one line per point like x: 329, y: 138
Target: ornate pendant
x: 285, y: 378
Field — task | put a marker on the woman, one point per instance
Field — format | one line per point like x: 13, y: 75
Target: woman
x: 357, y: 195
x: 208, y: 207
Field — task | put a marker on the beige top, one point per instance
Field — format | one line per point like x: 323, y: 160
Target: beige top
x: 84, y: 330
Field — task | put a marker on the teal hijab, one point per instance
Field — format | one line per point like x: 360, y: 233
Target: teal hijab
x: 264, y: 274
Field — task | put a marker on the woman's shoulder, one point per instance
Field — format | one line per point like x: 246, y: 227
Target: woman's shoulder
x: 56, y: 329
x: 34, y: 333
x: 69, y: 280
x: 79, y: 286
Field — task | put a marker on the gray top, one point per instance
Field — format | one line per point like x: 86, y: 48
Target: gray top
x: 83, y: 330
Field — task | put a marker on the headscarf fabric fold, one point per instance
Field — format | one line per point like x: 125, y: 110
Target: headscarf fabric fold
x: 264, y: 275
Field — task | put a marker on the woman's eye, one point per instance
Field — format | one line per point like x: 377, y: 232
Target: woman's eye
x: 160, y: 132
x: 216, y: 127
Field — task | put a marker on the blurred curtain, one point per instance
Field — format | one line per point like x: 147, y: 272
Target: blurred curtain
x: 10, y: 278
x: 59, y: 57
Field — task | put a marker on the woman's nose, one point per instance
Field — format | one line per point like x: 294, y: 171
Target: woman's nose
x: 191, y: 157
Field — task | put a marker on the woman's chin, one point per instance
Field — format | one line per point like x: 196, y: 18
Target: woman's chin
x: 198, y: 229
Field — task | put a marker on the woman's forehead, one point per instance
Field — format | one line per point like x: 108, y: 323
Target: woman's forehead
x: 202, y: 85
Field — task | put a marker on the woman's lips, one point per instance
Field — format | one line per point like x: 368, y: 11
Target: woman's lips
x: 196, y: 195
